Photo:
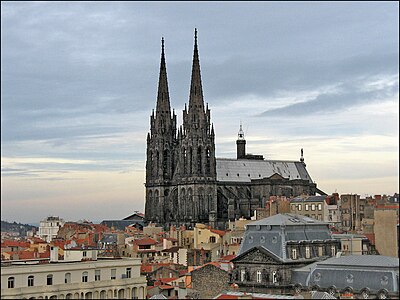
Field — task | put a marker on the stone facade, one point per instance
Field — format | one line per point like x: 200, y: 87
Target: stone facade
x: 209, y: 281
x: 187, y: 184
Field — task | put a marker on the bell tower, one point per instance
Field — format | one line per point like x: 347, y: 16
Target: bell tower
x: 161, y: 140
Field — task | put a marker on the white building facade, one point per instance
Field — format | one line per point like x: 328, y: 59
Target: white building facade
x: 92, y: 279
x: 49, y: 227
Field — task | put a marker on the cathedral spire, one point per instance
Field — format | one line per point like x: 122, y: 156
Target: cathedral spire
x: 163, y: 104
x: 196, y: 90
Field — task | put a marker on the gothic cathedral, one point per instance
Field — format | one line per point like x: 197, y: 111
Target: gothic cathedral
x: 186, y: 184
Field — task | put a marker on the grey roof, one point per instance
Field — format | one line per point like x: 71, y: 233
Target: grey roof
x: 228, y: 169
x: 286, y: 219
x: 159, y: 296
x: 309, y: 199
x: 274, y: 232
x: 358, y: 272
x: 321, y: 295
x: 363, y: 260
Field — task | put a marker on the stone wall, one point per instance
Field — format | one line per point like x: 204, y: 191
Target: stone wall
x: 209, y: 276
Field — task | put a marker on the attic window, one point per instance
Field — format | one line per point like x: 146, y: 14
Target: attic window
x: 238, y: 174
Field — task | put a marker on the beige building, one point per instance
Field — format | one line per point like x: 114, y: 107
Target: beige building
x: 91, y: 279
x: 352, y: 244
x: 385, y: 229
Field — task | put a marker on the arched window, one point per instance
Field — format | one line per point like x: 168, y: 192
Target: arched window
x: 183, y: 203
x: 190, y: 159
x: 156, y: 198
x: 85, y: 276
x: 189, y: 201
x: 165, y: 163
x: 50, y: 279
x: 184, y: 155
x: 199, y: 160
x: 208, y: 161
x: 157, y: 163
x: 31, y: 279
x: 210, y: 199
x: 11, y: 281
x: 67, y: 278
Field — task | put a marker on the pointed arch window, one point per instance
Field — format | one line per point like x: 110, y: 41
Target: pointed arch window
x: 157, y: 162
x: 184, y: 154
x: 165, y: 163
x: 208, y: 161
x: 199, y: 160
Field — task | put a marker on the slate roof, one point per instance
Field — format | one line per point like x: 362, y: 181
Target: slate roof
x: 274, y: 232
x: 375, y: 272
x: 258, y: 169
x: 363, y: 260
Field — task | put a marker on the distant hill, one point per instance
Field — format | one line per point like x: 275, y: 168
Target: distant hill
x: 16, y: 227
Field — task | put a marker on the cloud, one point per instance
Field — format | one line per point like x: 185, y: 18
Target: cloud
x: 347, y: 95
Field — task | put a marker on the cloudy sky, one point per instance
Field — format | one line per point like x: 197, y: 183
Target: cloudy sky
x: 79, y: 81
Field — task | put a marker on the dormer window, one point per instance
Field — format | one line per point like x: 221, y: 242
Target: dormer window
x: 294, y: 253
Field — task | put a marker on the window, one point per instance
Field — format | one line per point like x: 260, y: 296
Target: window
x: 97, y: 275
x: 319, y: 206
x: 320, y: 251
x: 199, y: 232
x: 212, y: 239
x: 242, y: 275
x: 274, y: 277
x: 307, y: 252
x: 299, y: 207
x: 259, y: 276
x: 294, y: 254
x: 333, y: 250
x: 113, y: 273
x: 67, y: 278
x: 306, y: 206
x: 128, y: 272
x: 49, y: 279
x: 11, y: 282
x: 30, y: 280
x: 85, y: 277
x: 84, y: 253
x: 313, y: 206
x: 293, y: 207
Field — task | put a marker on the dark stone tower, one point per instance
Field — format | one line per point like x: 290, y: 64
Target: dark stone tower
x: 161, y: 140
x: 240, y: 144
x: 196, y: 165
x: 181, y: 166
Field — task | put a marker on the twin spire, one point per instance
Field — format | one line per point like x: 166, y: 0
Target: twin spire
x: 163, y: 105
x: 196, y: 91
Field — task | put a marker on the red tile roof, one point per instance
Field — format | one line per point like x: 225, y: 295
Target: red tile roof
x: 166, y: 280
x: 144, y: 242
x: 228, y: 257
x: 145, y: 268
x: 220, y: 232
x: 166, y: 287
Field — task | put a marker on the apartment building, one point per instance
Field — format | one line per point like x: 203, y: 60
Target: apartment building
x: 73, y: 279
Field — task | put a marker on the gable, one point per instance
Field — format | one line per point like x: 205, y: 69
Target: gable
x: 257, y: 255
x: 276, y: 176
